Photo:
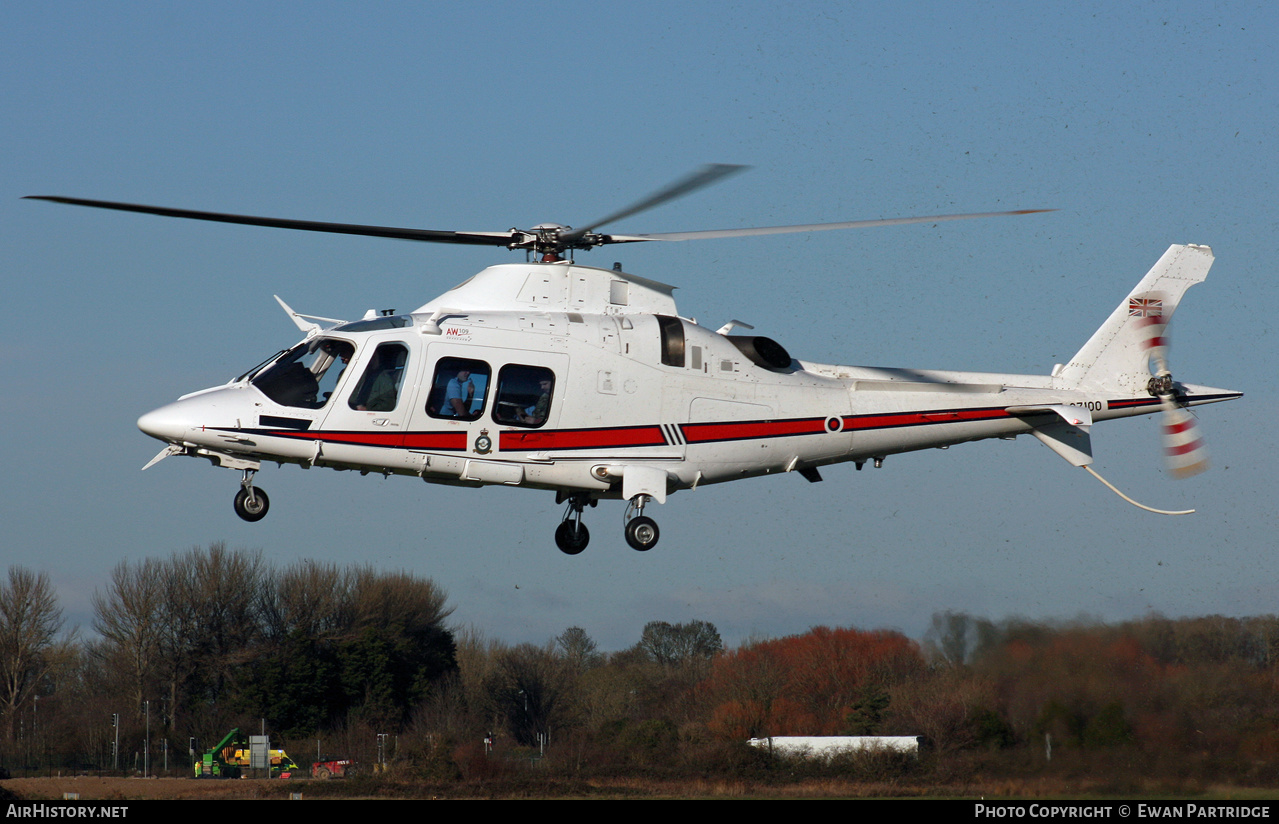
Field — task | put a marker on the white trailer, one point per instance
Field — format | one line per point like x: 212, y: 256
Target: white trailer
x: 826, y: 746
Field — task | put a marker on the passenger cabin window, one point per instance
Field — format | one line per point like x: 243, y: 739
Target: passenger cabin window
x: 523, y: 395
x: 307, y: 374
x: 379, y: 386
x: 458, y: 389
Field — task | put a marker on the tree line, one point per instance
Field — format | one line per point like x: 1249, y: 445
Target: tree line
x: 328, y: 657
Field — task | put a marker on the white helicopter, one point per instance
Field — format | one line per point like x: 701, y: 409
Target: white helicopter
x: 589, y: 383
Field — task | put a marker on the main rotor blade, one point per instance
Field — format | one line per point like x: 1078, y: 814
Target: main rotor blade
x: 428, y: 235
x: 813, y: 227
x: 704, y: 176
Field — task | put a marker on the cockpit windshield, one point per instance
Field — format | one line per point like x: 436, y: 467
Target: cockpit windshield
x: 307, y: 374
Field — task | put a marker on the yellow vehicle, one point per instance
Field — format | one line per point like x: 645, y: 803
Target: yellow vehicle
x: 281, y: 765
x: 229, y: 758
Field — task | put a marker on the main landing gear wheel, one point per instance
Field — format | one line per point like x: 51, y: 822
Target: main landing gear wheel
x: 642, y: 533
x: 251, y: 504
x: 571, y: 536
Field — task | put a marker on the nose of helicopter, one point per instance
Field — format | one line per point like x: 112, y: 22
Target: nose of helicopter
x: 190, y: 417
x: 167, y: 423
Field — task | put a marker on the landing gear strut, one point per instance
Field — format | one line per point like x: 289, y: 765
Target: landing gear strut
x: 251, y: 503
x: 571, y: 536
x: 641, y: 531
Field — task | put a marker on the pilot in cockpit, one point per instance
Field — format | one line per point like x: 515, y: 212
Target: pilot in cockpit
x: 339, y: 349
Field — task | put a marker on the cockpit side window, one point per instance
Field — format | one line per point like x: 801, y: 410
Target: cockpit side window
x: 523, y: 395
x: 459, y: 389
x: 379, y: 387
x: 307, y: 374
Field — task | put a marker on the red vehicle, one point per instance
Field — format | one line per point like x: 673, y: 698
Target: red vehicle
x: 336, y: 768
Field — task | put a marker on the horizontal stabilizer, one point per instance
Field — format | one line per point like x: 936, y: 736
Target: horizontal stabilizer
x: 1073, y: 415
x: 1071, y: 442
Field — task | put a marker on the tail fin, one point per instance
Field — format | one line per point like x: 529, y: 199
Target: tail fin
x: 1116, y: 357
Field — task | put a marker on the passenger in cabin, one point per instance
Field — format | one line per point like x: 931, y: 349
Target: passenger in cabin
x: 384, y: 391
x: 382, y: 394
x: 535, y: 415
x: 458, y: 395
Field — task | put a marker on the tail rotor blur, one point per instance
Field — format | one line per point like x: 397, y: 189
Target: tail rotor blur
x: 1185, y: 453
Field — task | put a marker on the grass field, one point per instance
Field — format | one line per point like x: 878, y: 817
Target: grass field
x: 90, y: 788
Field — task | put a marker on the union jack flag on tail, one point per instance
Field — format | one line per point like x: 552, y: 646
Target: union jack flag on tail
x: 1145, y: 307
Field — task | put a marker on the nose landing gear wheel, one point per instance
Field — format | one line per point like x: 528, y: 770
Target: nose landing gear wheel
x: 571, y: 537
x: 251, y: 504
x: 642, y: 533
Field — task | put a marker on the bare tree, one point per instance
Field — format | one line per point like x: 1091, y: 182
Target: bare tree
x: 411, y: 605
x: 696, y: 642
x: 228, y: 588
x: 212, y: 608
x: 130, y: 617
x: 530, y: 689
x: 947, y: 640
x: 306, y: 598
x: 476, y: 656
x: 579, y: 649
x: 30, y: 620
x: 181, y: 622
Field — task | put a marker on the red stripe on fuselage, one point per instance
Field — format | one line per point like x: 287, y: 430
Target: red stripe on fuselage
x: 922, y: 418
x: 621, y: 437
x: 443, y: 441
x: 1130, y: 403
x: 515, y: 440
x: 746, y: 430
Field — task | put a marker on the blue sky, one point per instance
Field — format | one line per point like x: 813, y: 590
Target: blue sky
x: 1144, y: 124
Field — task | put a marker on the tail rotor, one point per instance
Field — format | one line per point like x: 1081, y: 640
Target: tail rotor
x: 1185, y: 453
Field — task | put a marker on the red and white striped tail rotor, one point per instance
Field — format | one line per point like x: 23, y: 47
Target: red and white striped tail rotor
x: 1184, y: 451
x: 1154, y: 339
